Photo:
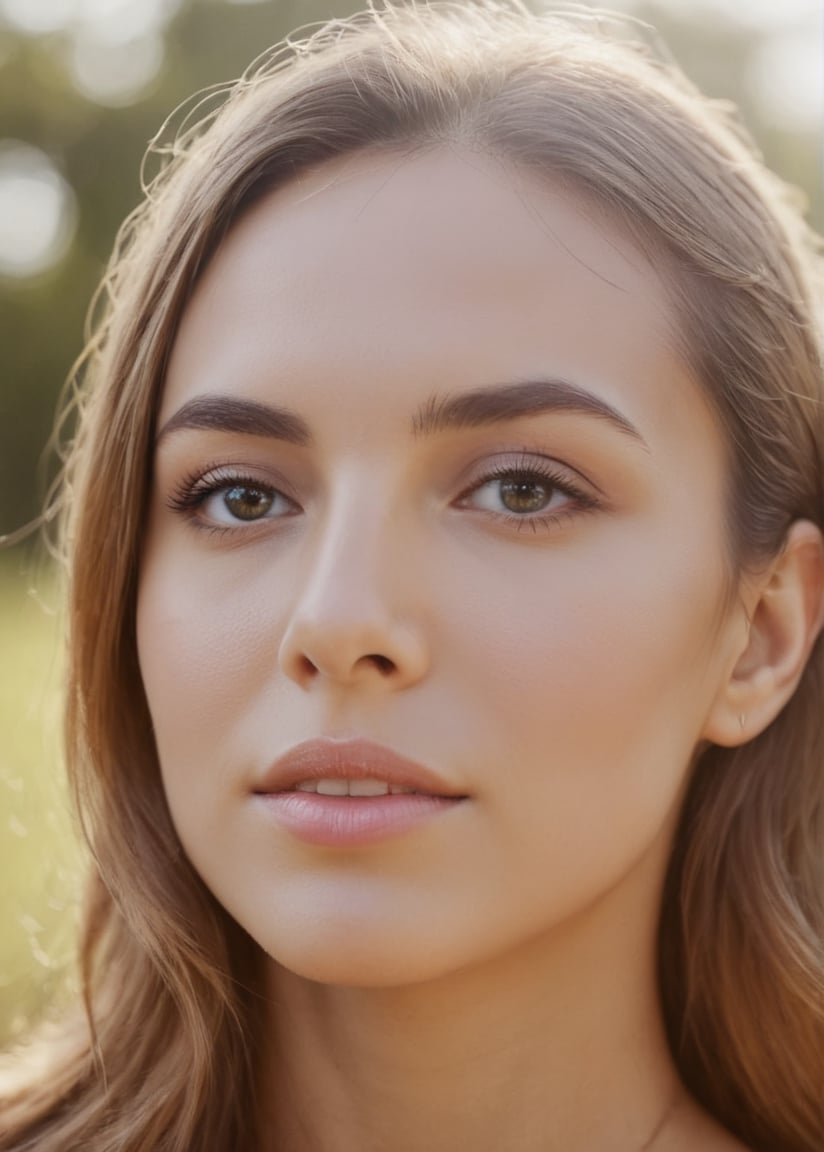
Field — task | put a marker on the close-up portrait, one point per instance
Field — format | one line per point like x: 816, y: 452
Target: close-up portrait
x: 411, y: 576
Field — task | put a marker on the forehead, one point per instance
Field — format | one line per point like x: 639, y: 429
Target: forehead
x: 378, y: 277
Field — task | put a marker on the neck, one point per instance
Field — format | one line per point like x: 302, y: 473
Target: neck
x: 556, y: 1046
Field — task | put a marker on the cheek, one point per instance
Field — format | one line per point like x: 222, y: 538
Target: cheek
x: 595, y: 662
x: 587, y: 684
x: 207, y: 642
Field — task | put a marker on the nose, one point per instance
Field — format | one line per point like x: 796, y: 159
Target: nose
x: 347, y: 626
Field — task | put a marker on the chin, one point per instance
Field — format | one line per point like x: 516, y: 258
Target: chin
x: 359, y: 966
x: 353, y: 955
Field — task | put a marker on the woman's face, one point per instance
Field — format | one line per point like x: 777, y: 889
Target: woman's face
x: 487, y: 534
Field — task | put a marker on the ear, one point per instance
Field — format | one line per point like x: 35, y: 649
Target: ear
x: 784, y: 610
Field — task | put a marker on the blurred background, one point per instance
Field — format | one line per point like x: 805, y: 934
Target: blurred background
x: 84, y: 85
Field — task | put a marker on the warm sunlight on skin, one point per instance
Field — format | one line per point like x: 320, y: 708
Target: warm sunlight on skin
x: 546, y: 641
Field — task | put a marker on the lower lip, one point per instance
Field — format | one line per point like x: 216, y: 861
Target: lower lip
x: 352, y: 821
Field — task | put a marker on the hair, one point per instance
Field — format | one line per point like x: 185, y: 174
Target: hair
x: 162, y: 1058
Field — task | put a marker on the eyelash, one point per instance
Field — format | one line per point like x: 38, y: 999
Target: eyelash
x: 528, y: 469
x: 193, y: 491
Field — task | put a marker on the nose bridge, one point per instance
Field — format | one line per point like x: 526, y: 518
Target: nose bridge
x: 349, y: 569
x: 349, y: 617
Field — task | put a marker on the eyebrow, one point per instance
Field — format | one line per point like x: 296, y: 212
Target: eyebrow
x: 473, y: 409
x: 510, y: 401
x: 230, y: 414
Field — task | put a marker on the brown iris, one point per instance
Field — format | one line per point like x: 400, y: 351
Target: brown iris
x: 247, y: 503
x: 524, y: 495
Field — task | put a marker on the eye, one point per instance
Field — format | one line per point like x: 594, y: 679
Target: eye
x: 244, y: 502
x: 520, y: 493
x: 224, y: 501
x: 529, y: 493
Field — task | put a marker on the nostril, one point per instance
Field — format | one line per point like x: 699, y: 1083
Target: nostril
x: 383, y: 662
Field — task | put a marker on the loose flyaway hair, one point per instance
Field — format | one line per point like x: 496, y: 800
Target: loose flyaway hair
x: 163, y: 1056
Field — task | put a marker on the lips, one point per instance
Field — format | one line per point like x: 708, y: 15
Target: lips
x: 349, y: 794
x: 318, y: 761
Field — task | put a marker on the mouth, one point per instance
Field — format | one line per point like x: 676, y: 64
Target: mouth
x: 343, y: 786
x: 355, y: 768
x: 349, y: 794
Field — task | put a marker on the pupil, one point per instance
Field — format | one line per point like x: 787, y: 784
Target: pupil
x: 247, y: 503
x: 523, y: 495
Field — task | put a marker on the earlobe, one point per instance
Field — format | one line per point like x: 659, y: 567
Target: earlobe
x: 785, y: 614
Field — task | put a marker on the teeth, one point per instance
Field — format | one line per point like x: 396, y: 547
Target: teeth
x: 368, y: 788
x: 333, y: 787
x: 338, y: 786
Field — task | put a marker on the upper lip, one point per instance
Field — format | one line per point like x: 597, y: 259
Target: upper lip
x: 325, y: 759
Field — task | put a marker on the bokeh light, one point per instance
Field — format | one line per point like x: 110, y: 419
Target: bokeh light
x: 123, y: 18
x: 38, y: 16
x: 38, y: 212
x: 114, y: 70
x: 786, y: 78
x: 755, y: 13
x: 114, y: 49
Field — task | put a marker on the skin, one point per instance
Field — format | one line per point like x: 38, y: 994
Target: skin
x: 488, y: 979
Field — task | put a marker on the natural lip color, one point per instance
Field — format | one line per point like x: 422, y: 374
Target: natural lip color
x: 354, y: 759
x: 346, y: 822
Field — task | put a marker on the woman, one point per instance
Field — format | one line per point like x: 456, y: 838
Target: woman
x: 446, y: 585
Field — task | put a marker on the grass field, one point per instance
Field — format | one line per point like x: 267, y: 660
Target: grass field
x: 39, y: 855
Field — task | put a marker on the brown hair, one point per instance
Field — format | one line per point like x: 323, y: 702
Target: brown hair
x: 170, y: 982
